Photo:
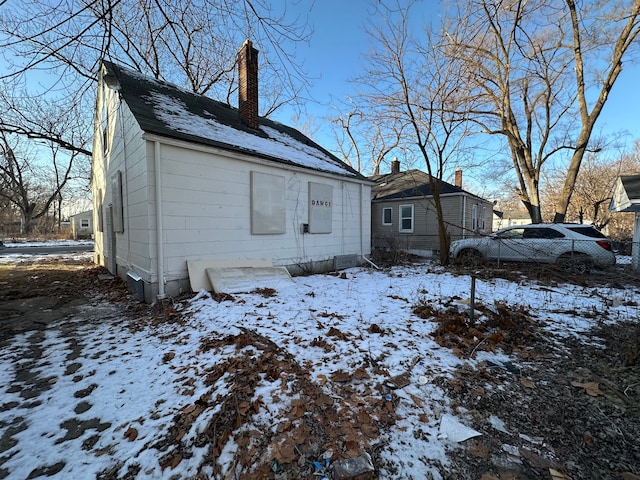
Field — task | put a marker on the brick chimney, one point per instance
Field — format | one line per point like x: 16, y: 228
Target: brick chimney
x: 248, y: 84
x: 395, y: 165
x: 458, y: 178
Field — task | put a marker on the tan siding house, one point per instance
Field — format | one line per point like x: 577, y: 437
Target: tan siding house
x: 403, y: 214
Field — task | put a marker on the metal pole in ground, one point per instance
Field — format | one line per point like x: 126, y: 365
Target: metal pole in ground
x: 472, y: 300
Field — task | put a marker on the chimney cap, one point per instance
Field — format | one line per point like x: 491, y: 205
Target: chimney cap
x: 395, y: 165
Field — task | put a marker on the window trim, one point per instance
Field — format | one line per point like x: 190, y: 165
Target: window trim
x: 390, y: 210
x: 402, y: 218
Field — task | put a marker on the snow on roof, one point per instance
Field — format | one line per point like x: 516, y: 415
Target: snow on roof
x: 167, y: 110
x: 175, y: 114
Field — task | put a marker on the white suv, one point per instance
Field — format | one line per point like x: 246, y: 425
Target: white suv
x: 570, y: 245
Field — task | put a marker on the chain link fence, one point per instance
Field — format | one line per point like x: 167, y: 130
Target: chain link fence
x: 560, y: 252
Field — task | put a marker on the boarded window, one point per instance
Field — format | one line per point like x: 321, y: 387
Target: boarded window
x: 320, y: 207
x: 267, y: 204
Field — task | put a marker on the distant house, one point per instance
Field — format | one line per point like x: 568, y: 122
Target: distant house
x: 626, y: 198
x: 178, y: 177
x: 82, y: 225
x: 510, y: 218
x: 403, y: 214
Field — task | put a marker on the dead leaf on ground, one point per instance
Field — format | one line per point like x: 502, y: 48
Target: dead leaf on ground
x: 361, y: 373
x: 479, y: 450
x: 556, y: 475
x: 527, y: 383
x: 488, y: 476
x: 172, y: 462
x: 340, y: 376
x: 131, y: 434
x: 630, y: 476
x: 535, y: 460
x: 399, y: 381
x: 592, y: 388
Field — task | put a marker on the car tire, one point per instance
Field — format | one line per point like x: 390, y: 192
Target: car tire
x: 469, y: 258
x: 578, y: 263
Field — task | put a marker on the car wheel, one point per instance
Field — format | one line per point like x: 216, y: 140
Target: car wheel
x: 469, y: 258
x: 578, y: 263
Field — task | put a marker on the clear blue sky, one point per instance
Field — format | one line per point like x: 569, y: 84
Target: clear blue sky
x: 335, y: 56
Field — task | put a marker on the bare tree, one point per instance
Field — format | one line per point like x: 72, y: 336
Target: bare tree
x: 416, y: 89
x: 594, y: 186
x: 541, y: 74
x: 365, y: 140
x: 53, y: 50
x: 22, y: 184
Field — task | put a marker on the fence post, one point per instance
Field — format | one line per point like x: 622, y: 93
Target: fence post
x: 472, y: 300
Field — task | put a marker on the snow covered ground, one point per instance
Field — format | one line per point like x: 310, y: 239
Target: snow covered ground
x: 114, y: 387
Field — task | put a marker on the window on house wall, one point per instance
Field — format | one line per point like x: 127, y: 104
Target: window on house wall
x: 478, y: 214
x: 406, y: 218
x: 105, y: 125
x: 84, y: 223
x: 386, y: 216
x: 267, y: 204
x: 474, y: 217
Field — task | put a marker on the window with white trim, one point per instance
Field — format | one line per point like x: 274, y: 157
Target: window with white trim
x: 474, y: 217
x: 387, y: 216
x: 406, y: 218
x: 478, y: 217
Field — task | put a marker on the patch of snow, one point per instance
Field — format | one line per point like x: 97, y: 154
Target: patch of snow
x: 175, y: 114
x: 129, y: 383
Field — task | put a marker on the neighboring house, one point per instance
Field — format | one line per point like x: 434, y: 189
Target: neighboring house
x: 178, y: 177
x: 626, y: 198
x: 403, y: 215
x: 510, y: 218
x: 82, y: 225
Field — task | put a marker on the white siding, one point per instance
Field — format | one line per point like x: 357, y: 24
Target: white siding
x: 126, y: 151
x: 206, y: 213
x: 206, y: 205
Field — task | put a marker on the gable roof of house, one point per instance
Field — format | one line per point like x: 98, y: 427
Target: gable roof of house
x: 408, y: 184
x: 626, y: 194
x: 164, y: 109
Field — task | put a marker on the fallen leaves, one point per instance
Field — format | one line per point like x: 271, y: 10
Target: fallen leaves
x: 525, y: 382
x: 591, y: 388
x: 325, y: 412
x: 131, y: 434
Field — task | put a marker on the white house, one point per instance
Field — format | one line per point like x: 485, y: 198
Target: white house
x: 626, y: 198
x: 82, y: 224
x: 178, y: 177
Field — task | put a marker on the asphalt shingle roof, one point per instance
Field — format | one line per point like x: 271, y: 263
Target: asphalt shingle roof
x: 164, y: 109
x: 407, y: 184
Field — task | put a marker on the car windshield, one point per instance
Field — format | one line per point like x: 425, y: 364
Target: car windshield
x: 588, y: 232
x: 510, y: 233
